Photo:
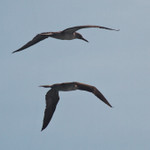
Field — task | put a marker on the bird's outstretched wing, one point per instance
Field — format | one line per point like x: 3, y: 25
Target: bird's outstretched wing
x: 74, y: 29
x: 36, y: 39
x: 52, y: 99
x: 94, y: 90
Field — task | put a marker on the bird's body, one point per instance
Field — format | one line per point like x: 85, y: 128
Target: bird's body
x: 63, y: 36
x: 52, y: 96
x: 67, y: 34
x: 70, y: 86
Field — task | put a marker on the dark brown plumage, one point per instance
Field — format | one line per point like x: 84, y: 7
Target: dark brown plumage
x: 52, y: 97
x: 67, y: 34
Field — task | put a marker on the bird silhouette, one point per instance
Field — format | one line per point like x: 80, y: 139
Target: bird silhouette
x: 67, y: 34
x: 52, y: 97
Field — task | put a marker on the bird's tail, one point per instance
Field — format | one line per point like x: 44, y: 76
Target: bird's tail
x: 45, y: 86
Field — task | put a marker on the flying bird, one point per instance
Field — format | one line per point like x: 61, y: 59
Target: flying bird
x: 67, y: 34
x: 52, y: 97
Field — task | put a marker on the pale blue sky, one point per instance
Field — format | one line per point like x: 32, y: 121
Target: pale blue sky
x: 117, y: 63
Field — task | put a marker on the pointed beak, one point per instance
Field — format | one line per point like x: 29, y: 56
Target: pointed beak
x: 84, y: 39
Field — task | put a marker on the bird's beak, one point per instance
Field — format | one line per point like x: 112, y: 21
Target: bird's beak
x: 45, y: 86
x: 84, y: 39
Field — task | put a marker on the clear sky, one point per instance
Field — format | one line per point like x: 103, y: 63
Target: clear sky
x: 117, y: 63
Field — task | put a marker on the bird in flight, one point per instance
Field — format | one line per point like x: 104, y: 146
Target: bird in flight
x: 67, y: 34
x: 52, y: 97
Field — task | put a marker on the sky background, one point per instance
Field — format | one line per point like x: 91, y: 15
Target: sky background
x: 117, y: 63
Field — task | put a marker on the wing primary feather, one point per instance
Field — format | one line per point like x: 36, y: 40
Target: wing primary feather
x: 94, y: 90
x: 98, y: 94
x: 52, y: 99
x: 74, y: 29
x: 36, y: 39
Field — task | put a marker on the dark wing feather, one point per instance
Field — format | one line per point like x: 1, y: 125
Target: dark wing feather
x: 94, y: 90
x: 52, y: 99
x: 74, y: 29
x: 97, y: 93
x: 36, y: 39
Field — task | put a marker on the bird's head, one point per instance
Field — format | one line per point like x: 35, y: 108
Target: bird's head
x: 79, y: 36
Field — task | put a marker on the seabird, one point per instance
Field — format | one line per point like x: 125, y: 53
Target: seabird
x: 52, y: 97
x: 67, y: 34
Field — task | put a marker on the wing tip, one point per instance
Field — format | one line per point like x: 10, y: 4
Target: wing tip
x: 17, y: 50
x: 14, y: 51
x: 42, y: 129
x: 108, y: 28
x: 110, y: 106
x: 106, y: 102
